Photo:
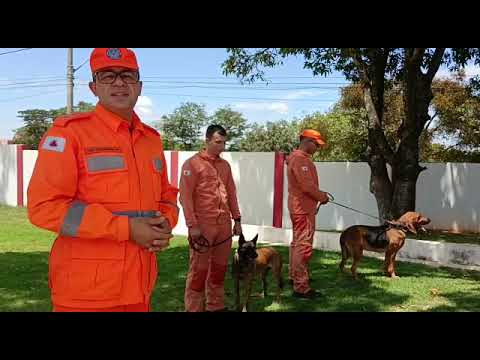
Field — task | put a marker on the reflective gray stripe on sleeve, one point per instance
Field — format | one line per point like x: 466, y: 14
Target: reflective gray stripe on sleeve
x: 100, y: 163
x: 136, y: 213
x: 169, y: 203
x: 157, y: 164
x: 73, y: 219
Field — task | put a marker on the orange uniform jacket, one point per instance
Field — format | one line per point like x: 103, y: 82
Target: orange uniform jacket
x: 207, y: 191
x: 91, y: 175
x: 303, y: 192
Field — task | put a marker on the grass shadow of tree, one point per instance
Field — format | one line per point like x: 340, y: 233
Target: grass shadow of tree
x: 24, y: 282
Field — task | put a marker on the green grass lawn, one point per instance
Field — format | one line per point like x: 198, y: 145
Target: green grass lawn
x: 24, y: 253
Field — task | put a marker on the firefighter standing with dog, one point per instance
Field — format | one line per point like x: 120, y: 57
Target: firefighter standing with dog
x: 303, y: 197
x: 209, y: 200
x: 100, y: 182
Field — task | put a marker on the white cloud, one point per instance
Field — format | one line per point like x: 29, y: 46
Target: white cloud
x: 279, y: 107
x: 303, y: 93
x: 144, y: 107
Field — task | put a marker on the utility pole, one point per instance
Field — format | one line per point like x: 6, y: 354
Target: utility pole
x: 70, y: 81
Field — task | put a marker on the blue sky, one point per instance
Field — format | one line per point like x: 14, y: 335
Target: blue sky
x: 36, y: 79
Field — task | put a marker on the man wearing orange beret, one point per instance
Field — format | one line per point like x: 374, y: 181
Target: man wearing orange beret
x: 303, y: 197
x: 100, y: 182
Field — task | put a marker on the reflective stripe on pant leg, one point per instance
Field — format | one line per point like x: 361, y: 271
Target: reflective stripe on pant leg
x: 218, y: 269
x: 301, y: 251
x: 196, y: 278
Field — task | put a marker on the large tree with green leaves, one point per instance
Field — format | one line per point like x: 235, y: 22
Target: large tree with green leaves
x: 272, y: 136
x: 181, y: 130
x: 375, y: 70
x: 233, y: 122
x: 38, y: 121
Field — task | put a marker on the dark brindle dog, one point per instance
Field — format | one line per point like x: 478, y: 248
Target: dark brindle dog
x: 249, y: 262
x: 388, y: 239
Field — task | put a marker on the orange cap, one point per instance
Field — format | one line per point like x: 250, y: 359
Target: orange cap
x: 102, y: 58
x: 315, y: 135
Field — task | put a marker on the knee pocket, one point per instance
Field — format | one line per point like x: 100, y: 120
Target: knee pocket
x: 198, y: 279
x: 217, y: 275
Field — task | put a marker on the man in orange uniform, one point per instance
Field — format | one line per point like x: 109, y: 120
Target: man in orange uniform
x: 303, y: 196
x: 100, y: 182
x: 208, y: 197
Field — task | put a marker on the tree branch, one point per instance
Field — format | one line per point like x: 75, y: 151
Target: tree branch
x: 417, y: 56
x: 431, y: 119
x: 435, y: 63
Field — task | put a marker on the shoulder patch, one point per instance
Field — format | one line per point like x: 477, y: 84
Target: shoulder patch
x: 151, y: 129
x: 62, y: 121
x: 54, y: 143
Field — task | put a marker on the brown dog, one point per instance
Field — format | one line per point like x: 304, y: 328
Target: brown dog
x: 388, y: 238
x: 249, y: 262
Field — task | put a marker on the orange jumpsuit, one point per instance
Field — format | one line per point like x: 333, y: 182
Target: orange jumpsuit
x: 209, y: 200
x: 303, y: 196
x: 92, y: 173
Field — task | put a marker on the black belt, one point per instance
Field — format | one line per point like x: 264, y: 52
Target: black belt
x: 137, y: 213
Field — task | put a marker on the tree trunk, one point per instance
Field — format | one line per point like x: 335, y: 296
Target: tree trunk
x: 380, y: 184
x: 417, y: 97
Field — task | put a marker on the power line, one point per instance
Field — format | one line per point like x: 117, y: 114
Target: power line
x: 32, y: 86
x: 239, y: 98
x: 14, y: 51
x: 30, y: 96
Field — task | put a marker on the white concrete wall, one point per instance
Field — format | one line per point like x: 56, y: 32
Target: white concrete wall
x: 449, y: 195
x: 8, y: 175
x: 29, y: 159
x: 348, y: 182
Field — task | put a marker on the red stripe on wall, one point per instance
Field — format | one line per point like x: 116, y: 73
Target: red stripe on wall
x: 278, y: 190
x: 174, y: 168
x: 20, y: 175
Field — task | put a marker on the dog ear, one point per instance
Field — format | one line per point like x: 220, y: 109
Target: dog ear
x: 241, y: 240
x: 255, y: 240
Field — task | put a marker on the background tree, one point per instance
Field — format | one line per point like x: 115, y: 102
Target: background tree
x: 234, y: 123
x: 272, y: 136
x: 38, y: 121
x: 182, y: 129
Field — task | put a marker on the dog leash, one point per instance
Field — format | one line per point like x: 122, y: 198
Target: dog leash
x: 331, y: 200
x: 203, y: 243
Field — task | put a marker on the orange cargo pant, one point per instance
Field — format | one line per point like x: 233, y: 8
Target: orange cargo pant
x: 301, y: 249
x: 206, y: 273
x: 121, y: 308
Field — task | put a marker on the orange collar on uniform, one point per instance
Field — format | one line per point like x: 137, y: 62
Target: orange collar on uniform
x: 114, y: 121
x: 302, y: 153
x: 206, y: 156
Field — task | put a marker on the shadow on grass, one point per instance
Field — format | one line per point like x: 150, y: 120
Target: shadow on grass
x: 341, y: 292
x: 459, y: 301
x: 24, y: 285
x: 24, y: 281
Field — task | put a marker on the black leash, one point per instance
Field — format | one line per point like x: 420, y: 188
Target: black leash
x: 202, y: 245
x: 331, y: 198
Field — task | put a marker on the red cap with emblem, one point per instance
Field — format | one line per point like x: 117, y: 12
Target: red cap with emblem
x: 102, y: 58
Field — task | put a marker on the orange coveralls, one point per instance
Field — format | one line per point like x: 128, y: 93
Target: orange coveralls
x: 209, y: 200
x: 91, y: 175
x: 303, y: 196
